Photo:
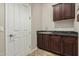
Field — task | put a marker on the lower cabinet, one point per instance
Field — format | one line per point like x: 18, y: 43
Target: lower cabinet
x: 43, y: 41
x: 46, y: 42
x: 63, y: 45
x: 40, y: 41
x: 55, y: 44
x: 69, y: 46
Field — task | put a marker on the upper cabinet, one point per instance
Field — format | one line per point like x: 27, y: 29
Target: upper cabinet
x: 63, y: 11
x: 57, y: 12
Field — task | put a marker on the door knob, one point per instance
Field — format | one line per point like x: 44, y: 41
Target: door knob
x: 11, y: 35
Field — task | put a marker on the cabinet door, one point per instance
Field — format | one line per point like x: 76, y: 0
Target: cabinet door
x: 43, y: 41
x: 55, y: 44
x: 46, y: 42
x: 69, y: 46
x: 68, y: 10
x: 57, y: 12
x: 40, y: 40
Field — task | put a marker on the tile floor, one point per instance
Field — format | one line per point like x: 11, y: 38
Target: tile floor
x: 40, y: 52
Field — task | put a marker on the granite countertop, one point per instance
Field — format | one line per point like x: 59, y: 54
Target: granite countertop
x: 65, y: 33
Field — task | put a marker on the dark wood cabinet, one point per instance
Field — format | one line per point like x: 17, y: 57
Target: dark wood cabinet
x: 40, y: 40
x: 57, y: 12
x: 69, y: 46
x: 69, y: 11
x: 63, y: 11
x: 43, y: 41
x: 59, y: 44
x: 46, y: 42
x: 55, y: 43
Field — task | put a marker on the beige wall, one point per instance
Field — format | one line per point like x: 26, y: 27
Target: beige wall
x: 1, y: 29
x: 47, y: 19
x: 36, y: 22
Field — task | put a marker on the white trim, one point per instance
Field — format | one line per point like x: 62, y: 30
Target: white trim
x: 32, y: 51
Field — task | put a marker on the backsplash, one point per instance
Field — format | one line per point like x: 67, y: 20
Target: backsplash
x: 64, y: 24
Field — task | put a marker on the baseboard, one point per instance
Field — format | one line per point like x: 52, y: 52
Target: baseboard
x: 32, y: 51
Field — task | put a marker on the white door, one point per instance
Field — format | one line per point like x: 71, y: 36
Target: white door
x: 18, y: 29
